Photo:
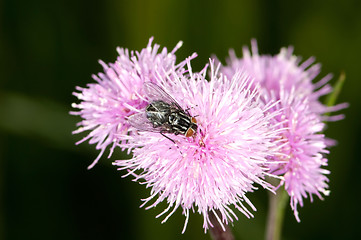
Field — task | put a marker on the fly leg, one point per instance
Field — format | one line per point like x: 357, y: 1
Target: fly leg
x: 167, y: 137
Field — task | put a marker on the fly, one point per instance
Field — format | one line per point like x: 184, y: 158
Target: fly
x: 163, y: 114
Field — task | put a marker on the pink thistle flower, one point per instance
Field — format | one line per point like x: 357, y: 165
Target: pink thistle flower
x: 218, y: 165
x: 106, y: 104
x: 284, y: 79
x: 285, y: 71
x: 302, y: 150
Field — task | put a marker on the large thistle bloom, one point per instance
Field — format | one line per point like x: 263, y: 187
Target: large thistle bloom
x: 285, y: 79
x: 105, y: 104
x: 221, y: 163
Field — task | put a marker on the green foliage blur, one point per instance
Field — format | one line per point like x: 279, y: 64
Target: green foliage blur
x: 49, y: 47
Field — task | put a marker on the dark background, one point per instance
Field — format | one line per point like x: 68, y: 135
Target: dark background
x: 47, y: 48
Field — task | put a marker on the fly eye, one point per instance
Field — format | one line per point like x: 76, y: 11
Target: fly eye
x: 190, y: 132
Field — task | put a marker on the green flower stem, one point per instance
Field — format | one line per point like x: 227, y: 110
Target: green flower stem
x: 217, y: 232
x: 276, y: 212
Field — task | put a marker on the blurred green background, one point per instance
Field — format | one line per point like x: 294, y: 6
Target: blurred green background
x: 49, y: 47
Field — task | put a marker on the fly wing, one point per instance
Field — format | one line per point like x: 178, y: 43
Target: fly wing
x: 140, y: 122
x: 156, y: 93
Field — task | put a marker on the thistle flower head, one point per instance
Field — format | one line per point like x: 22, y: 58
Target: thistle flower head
x: 218, y: 165
x: 302, y: 150
x: 105, y: 105
x: 302, y: 144
x: 285, y: 71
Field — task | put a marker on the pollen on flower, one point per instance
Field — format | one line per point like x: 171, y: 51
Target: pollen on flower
x: 201, y: 142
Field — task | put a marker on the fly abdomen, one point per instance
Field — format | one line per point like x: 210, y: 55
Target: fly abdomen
x: 157, y: 113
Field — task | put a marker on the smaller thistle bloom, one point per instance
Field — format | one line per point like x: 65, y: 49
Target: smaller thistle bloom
x: 106, y: 104
x: 221, y: 162
x: 303, y: 148
x: 285, y: 71
x: 282, y: 78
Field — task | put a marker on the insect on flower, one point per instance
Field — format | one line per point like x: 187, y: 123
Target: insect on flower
x: 163, y: 114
